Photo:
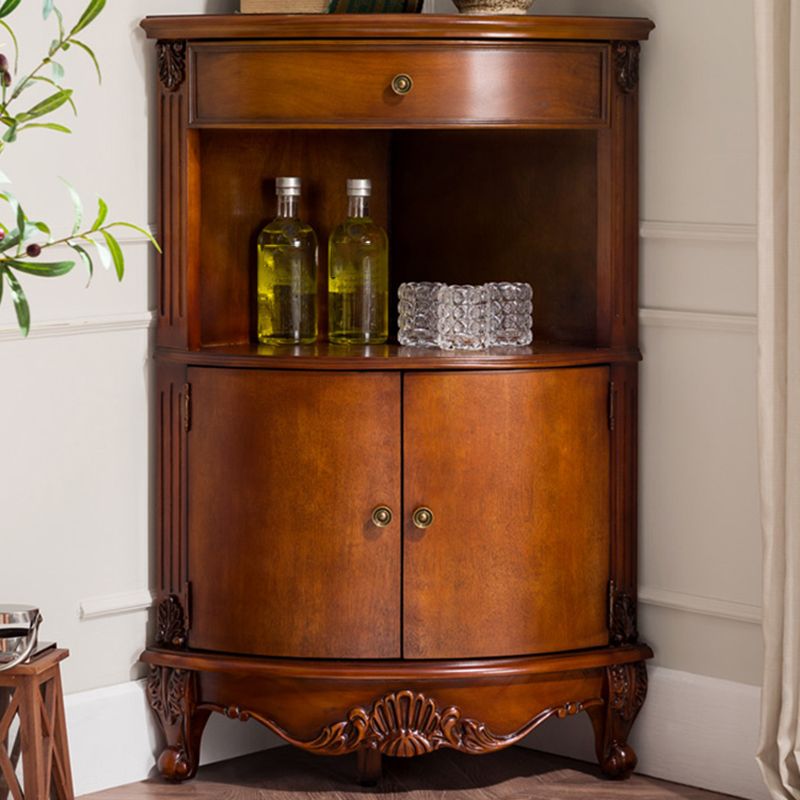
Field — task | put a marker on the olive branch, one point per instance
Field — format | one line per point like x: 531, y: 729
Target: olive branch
x: 25, y: 239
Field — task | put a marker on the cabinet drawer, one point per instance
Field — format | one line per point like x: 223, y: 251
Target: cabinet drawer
x: 348, y: 84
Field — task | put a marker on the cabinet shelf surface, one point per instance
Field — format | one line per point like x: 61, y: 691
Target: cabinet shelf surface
x: 325, y: 356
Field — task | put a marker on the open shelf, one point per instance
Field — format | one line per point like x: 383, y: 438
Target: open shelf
x: 460, y: 206
x: 394, y: 357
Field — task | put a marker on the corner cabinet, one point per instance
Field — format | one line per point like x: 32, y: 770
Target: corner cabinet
x: 386, y: 550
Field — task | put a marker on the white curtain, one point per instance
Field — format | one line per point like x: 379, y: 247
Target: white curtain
x: 777, y: 27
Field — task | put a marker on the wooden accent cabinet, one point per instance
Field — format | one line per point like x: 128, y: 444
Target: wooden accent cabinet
x: 388, y: 550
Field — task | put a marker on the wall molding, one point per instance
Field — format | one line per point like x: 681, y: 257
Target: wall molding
x: 698, y: 231
x: 111, y: 323
x: 698, y: 320
x: 109, y: 605
x: 700, y: 604
x: 693, y: 729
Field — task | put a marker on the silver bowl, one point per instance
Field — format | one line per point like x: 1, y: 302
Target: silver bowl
x: 19, y: 632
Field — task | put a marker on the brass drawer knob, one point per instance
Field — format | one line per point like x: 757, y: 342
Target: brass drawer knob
x: 402, y: 84
x: 381, y: 516
x: 422, y: 517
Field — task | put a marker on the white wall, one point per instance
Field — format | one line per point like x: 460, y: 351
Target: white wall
x: 74, y: 463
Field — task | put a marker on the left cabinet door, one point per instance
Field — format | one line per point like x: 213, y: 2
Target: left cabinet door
x: 284, y: 471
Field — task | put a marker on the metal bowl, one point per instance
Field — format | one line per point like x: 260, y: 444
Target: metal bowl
x: 19, y: 630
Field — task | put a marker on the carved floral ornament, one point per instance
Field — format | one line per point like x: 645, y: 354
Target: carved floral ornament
x: 626, y: 64
x: 171, y: 623
x: 166, y: 689
x: 171, y: 63
x: 628, y: 689
x: 407, y: 723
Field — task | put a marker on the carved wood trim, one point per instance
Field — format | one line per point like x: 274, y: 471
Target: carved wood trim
x: 627, y: 689
x: 171, y: 63
x: 171, y: 626
x: 622, y: 624
x: 408, y: 723
x: 626, y: 64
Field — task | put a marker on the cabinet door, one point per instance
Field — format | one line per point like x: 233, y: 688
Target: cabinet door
x: 285, y: 469
x: 515, y: 468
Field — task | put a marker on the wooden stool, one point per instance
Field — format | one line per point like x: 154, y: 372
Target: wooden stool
x: 33, y: 691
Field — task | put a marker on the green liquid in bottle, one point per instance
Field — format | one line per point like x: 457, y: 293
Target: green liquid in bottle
x: 358, y: 278
x: 287, y: 278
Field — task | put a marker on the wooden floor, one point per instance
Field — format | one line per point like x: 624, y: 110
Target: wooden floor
x: 514, y: 774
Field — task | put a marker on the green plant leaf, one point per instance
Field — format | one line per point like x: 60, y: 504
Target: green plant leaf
x: 20, y: 303
x: 57, y: 86
x: 58, y: 70
x: 48, y: 105
x: 87, y: 259
x: 103, y: 252
x: 4, y: 178
x: 8, y: 6
x: 47, y: 9
x: 60, y: 18
x: 116, y: 254
x: 149, y: 236
x: 14, y: 41
x: 102, y: 211
x: 51, y: 126
x: 44, y: 269
x: 11, y: 134
x: 76, y: 204
x: 90, y: 52
x: 92, y: 10
x: 43, y: 227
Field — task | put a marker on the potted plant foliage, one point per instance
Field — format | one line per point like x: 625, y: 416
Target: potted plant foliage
x: 29, y: 100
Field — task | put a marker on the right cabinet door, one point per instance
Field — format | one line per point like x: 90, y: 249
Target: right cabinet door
x: 514, y: 467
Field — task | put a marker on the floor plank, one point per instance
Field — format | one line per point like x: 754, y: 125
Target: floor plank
x: 286, y: 773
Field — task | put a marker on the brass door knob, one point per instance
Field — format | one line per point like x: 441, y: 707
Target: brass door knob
x: 381, y: 516
x: 402, y: 84
x: 422, y: 517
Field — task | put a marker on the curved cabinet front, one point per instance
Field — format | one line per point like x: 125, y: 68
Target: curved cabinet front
x: 285, y: 469
x: 514, y: 467
x: 299, y: 544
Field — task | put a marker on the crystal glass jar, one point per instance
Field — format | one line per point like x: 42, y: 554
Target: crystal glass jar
x: 463, y: 322
x: 510, y: 314
x: 418, y: 307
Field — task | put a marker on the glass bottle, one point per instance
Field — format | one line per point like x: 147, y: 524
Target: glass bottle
x: 358, y: 273
x: 287, y: 273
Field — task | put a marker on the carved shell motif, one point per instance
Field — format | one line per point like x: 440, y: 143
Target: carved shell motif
x: 405, y: 724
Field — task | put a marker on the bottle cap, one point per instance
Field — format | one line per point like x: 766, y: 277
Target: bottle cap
x: 287, y: 186
x: 359, y: 187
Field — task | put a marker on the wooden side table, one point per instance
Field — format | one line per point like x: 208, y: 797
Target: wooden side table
x: 33, y: 692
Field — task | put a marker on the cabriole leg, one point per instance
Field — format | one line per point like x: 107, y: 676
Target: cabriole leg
x: 625, y: 690
x: 171, y: 693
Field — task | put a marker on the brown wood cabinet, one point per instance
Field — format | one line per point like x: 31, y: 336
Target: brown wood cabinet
x: 387, y: 550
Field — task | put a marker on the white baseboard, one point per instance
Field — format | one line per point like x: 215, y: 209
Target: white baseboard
x: 693, y: 729
x: 113, y: 738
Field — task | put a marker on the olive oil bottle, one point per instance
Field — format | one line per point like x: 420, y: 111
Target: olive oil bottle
x: 287, y: 273
x: 358, y: 273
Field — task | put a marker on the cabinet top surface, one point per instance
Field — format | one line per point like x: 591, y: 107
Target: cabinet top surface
x: 395, y: 26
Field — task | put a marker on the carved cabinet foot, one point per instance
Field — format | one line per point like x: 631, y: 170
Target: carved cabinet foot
x: 625, y: 690
x: 171, y: 693
x: 370, y: 766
